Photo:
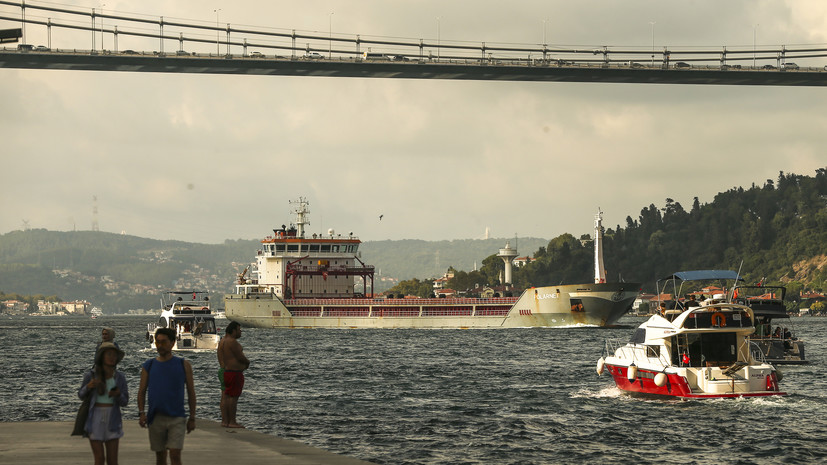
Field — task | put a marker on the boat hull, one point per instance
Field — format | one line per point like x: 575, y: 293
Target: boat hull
x: 678, y: 385
x: 594, y: 304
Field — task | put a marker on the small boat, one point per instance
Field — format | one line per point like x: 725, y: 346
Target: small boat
x: 702, y: 351
x: 189, y: 314
x: 95, y: 313
x: 774, y: 332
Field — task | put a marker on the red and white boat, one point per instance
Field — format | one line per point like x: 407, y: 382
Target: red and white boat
x: 698, y: 352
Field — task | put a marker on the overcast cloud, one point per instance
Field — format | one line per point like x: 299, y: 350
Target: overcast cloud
x: 205, y: 158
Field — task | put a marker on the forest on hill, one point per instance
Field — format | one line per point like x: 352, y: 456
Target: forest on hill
x: 776, y: 231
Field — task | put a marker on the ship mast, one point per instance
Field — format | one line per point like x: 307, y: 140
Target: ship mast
x: 300, y: 210
x: 599, y: 271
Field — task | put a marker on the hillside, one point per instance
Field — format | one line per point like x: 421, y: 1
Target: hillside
x: 120, y: 272
x: 776, y: 231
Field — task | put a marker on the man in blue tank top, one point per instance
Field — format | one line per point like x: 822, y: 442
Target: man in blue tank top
x: 166, y: 376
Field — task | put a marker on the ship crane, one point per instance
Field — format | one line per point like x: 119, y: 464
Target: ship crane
x: 242, y: 274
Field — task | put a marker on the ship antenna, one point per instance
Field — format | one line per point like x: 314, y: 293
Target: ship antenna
x: 301, y: 210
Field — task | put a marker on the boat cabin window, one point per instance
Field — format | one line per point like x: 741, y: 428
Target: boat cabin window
x: 325, y: 247
x: 279, y: 247
x: 162, y: 323
x: 653, y: 351
x: 314, y: 247
x: 729, y: 319
x: 292, y: 248
x: 712, y: 349
x: 336, y: 248
x: 305, y: 248
x: 639, y: 336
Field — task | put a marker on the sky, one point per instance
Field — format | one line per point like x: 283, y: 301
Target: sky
x: 205, y: 158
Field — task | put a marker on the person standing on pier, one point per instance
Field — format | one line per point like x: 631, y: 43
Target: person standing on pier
x: 108, y: 391
x: 232, y: 360
x: 165, y: 377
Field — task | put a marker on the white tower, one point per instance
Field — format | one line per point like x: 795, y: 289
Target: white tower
x: 508, y: 255
x: 599, y: 271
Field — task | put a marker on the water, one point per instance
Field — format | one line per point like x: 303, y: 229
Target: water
x: 516, y: 396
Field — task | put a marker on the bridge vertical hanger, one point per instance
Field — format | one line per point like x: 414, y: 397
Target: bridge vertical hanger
x: 23, y: 19
x: 93, y: 31
x: 48, y: 32
x: 358, y: 47
x: 116, y: 38
x: 228, y: 40
x: 161, y: 36
x: 294, y: 44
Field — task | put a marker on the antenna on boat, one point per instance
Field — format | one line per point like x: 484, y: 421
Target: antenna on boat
x: 300, y: 210
x: 737, y: 277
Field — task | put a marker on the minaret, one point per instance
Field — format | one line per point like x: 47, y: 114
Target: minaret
x: 599, y: 271
x: 508, y: 255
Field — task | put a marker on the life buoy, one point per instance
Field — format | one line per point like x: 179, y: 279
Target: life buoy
x: 718, y: 319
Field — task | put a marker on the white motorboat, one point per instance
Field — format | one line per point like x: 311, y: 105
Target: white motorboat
x: 702, y: 351
x: 189, y: 314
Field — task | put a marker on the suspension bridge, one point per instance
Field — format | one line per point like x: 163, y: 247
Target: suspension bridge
x: 181, y: 46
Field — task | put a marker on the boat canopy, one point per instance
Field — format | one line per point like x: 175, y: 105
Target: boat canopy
x: 702, y: 275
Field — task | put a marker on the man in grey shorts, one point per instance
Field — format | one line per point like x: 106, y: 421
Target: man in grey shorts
x: 166, y: 376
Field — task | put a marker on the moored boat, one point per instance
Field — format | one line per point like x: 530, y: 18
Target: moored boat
x: 189, y: 314
x: 301, y: 281
x: 774, y: 332
x: 702, y: 351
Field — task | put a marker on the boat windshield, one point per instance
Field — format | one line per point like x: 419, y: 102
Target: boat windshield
x: 705, y: 349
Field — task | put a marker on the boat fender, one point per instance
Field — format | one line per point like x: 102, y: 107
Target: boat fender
x: 778, y: 375
x: 631, y: 374
x: 660, y: 379
x: 601, y: 364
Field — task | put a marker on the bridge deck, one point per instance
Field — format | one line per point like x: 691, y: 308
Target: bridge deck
x: 407, y: 70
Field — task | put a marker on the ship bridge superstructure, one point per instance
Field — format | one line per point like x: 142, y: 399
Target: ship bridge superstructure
x: 293, y: 265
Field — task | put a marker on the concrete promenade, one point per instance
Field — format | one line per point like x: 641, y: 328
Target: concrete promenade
x: 49, y: 442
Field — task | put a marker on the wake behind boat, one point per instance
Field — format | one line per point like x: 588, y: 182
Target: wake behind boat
x: 188, y: 313
x: 309, y: 282
x: 703, y: 351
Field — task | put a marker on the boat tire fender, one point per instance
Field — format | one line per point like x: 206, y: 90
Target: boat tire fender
x: 631, y: 373
x: 601, y: 365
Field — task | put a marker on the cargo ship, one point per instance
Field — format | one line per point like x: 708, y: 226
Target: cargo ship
x: 301, y: 280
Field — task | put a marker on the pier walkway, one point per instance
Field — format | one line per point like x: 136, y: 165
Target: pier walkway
x: 49, y: 442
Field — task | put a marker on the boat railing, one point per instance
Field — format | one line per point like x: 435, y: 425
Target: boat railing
x: 756, y: 353
x: 635, y: 352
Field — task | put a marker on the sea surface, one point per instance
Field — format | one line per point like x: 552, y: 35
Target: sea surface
x: 504, y: 396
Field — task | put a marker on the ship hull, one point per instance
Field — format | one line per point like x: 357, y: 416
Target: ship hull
x: 594, y: 304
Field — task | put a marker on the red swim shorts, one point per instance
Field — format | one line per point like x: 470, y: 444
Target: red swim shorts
x: 233, y: 383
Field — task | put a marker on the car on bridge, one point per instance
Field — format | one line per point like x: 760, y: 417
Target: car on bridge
x: 313, y: 56
x: 789, y: 66
x: 256, y: 55
x: 768, y: 67
x: 682, y: 65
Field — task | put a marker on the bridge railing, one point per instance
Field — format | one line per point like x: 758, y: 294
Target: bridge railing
x: 287, y: 43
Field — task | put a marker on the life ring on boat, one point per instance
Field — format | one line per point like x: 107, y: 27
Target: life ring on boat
x: 718, y: 319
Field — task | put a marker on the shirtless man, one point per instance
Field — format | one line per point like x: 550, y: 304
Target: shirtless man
x: 232, y: 361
